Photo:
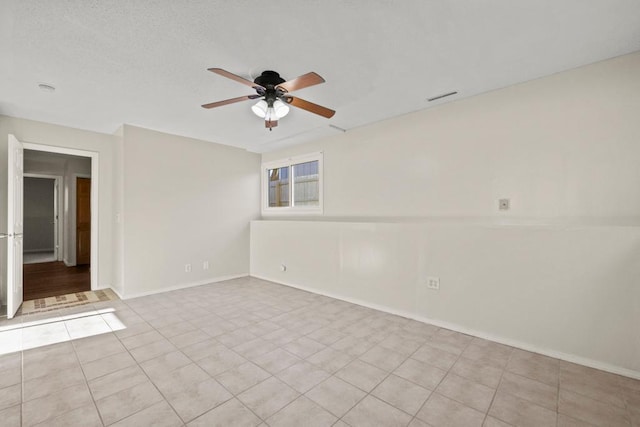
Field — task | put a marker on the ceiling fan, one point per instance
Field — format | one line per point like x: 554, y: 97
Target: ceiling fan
x: 273, y: 92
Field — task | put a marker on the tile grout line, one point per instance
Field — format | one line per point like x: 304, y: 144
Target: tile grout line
x: 234, y: 396
x: 384, y: 379
x: 304, y: 394
x: 145, y: 372
x: 137, y: 364
x: 306, y: 360
x: 558, y: 398
x: 445, y: 375
x: 391, y: 373
x: 274, y: 375
x: 434, y: 389
x: 495, y: 393
x: 75, y: 353
x: 21, y: 376
x: 303, y: 360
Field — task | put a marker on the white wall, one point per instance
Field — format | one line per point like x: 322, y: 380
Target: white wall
x: 417, y: 196
x: 61, y: 136
x: 561, y: 146
x: 164, y: 201
x: 184, y: 201
x: 118, y: 209
x: 39, y: 214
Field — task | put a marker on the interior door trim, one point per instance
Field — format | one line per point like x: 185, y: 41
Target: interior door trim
x: 95, y: 201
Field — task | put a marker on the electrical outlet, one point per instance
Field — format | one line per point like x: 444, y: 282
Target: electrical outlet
x: 205, y: 265
x: 283, y: 267
x: 187, y: 268
x: 504, y: 204
x: 433, y: 283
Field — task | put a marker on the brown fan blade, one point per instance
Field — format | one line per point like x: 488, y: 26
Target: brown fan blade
x: 232, y: 76
x: 310, y: 106
x: 230, y: 101
x: 306, y: 80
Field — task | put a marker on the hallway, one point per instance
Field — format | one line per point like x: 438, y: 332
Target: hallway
x: 54, y: 278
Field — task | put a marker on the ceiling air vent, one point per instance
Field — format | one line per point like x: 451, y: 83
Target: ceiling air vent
x: 46, y: 87
x: 444, y: 95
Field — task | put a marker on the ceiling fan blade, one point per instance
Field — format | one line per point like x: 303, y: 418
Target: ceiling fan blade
x: 306, y: 80
x: 310, y: 106
x: 232, y: 76
x: 230, y: 101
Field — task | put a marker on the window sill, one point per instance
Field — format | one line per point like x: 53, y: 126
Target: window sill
x: 291, y: 212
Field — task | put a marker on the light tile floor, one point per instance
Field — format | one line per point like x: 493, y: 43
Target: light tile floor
x: 248, y: 352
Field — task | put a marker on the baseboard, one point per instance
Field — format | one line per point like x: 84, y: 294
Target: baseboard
x: 596, y: 364
x: 117, y: 292
x: 32, y: 251
x: 126, y: 295
x: 103, y: 287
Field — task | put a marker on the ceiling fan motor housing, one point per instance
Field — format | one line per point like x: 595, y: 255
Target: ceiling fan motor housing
x: 269, y: 79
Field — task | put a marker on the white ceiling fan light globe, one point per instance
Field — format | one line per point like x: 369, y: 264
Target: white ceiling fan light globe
x: 271, y: 115
x: 281, y: 108
x: 260, y: 108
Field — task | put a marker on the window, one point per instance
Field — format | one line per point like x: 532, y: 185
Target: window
x: 293, y: 185
x: 278, y: 187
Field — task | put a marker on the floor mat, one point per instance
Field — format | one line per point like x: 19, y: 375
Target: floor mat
x: 66, y: 301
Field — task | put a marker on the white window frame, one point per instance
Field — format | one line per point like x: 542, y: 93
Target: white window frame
x: 292, y: 209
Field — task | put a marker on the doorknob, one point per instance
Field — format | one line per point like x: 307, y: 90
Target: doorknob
x: 3, y: 235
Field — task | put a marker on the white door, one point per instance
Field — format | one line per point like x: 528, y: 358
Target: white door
x: 14, y: 225
x: 56, y: 245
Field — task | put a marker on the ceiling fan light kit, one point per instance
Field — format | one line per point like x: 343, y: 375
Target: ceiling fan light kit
x: 277, y: 111
x: 273, y: 92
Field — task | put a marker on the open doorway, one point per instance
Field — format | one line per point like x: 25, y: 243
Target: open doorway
x: 41, y: 218
x: 57, y: 224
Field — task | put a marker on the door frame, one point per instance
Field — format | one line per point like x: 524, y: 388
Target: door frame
x: 95, y: 196
x: 58, y: 204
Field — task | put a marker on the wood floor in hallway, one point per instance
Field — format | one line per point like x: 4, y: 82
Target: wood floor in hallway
x: 49, y: 279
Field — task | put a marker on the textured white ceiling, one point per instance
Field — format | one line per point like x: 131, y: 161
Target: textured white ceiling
x: 144, y: 62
